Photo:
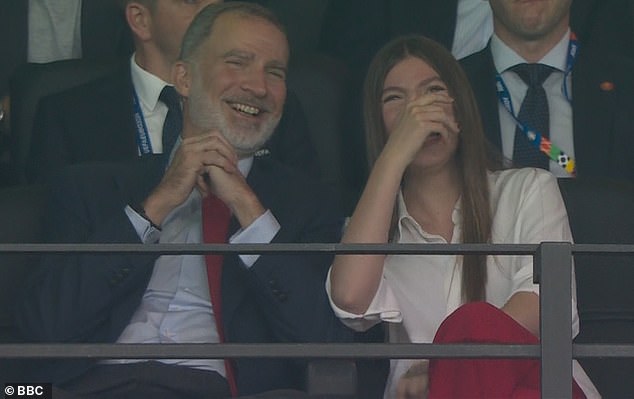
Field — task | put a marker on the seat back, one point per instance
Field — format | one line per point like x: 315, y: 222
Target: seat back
x: 302, y: 20
x: 21, y: 211
x: 601, y: 211
x: 32, y: 82
x: 319, y: 82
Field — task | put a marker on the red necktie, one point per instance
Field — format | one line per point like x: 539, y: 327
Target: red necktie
x: 216, y: 216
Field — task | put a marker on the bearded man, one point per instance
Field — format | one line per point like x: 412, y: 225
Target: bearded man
x: 231, y: 76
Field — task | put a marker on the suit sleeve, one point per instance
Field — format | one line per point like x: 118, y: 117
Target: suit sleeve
x: 83, y: 297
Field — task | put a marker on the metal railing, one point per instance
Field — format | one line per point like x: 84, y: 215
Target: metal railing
x: 552, y: 270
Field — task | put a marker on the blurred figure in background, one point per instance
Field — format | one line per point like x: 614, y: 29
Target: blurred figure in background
x: 554, y: 99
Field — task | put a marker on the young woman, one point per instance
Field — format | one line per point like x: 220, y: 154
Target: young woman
x: 432, y: 182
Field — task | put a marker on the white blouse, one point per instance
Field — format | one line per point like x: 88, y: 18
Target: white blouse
x: 526, y: 208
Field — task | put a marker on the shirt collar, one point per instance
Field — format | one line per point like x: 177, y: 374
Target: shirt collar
x: 148, y: 86
x: 504, y: 57
x: 245, y: 165
x: 406, y: 221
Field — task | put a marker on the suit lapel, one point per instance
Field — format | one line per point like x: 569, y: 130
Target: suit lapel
x: 481, y: 72
x: 127, y: 109
x: 262, y: 179
x: 594, y: 107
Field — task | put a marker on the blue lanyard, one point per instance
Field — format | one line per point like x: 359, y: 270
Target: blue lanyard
x: 542, y: 143
x: 573, y: 47
x: 143, y: 135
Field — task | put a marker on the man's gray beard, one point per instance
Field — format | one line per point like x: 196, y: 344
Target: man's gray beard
x: 205, y: 116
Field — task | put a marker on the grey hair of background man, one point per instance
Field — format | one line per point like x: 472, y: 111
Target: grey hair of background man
x: 201, y: 27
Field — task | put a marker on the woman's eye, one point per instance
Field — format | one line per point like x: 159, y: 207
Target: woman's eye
x: 436, y: 89
x: 389, y: 98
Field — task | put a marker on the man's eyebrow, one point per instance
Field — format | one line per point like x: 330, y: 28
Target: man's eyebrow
x: 249, y: 55
x: 239, y: 54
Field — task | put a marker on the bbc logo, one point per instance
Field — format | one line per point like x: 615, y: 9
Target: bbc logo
x: 28, y: 391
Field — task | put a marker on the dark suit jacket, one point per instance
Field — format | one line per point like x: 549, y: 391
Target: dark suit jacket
x: 94, y: 122
x: 603, y: 121
x: 104, y: 34
x: 281, y: 298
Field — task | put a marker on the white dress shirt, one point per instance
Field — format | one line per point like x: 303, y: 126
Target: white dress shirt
x: 560, y: 109
x: 474, y: 27
x: 176, y: 306
x: 417, y: 292
x: 148, y: 89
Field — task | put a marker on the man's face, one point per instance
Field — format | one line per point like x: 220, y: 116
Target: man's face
x: 530, y: 20
x: 169, y: 21
x: 238, y: 82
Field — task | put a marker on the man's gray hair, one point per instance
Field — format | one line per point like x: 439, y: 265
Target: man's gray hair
x: 202, y: 25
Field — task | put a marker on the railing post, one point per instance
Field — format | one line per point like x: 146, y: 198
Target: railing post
x: 553, y: 268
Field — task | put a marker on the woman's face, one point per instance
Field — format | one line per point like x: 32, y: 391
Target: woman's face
x: 410, y: 81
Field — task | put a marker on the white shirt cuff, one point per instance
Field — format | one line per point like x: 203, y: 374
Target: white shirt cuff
x: 144, y: 229
x: 384, y: 307
x: 261, y: 231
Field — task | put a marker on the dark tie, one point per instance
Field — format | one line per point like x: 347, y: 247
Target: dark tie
x: 173, y: 121
x: 215, y: 218
x: 533, y: 114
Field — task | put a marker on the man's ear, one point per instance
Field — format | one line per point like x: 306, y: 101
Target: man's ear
x: 139, y: 18
x: 182, y: 77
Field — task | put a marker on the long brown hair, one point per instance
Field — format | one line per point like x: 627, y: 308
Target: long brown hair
x: 472, y: 155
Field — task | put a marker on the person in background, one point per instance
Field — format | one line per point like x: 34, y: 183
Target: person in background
x: 552, y: 97
x: 433, y: 182
x: 48, y: 30
x: 41, y: 31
